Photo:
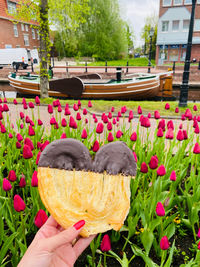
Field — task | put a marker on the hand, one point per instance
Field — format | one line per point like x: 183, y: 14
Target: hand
x: 53, y: 246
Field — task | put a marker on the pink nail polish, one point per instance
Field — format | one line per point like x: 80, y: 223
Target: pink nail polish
x: 79, y: 224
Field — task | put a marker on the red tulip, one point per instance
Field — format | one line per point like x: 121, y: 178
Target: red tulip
x: 119, y: 114
x: 42, y: 147
x: 160, y: 211
x: 72, y: 123
x: 144, y: 167
x: 15, y: 102
x: 79, y: 103
x: 5, y: 100
x: 139, y: 110
x: 153, y: 164
x: 180, y: 126
x: 109, y: 126
x: 161, y: 171
x: 161, y: 124
x: 180, y: 136
x: 34, y: 180
x: 176, y: 110
x: 86, y: 120
x: 63, y: 136
x: 37, y: 100
x: 10, y: 135
x: 84, y: 111
x: 3, y: 129
x: 183, y: 117
x: 40, y: 218
x: 5, y: 108
x: 23, y: 100
x: 64, y: 122
x: 149, y: 115
x: 25, y: 106
x: 52, y: 121
x: 196, y: 149
x: 95, y: 147
x: 164, y: 243
x: 133, y: 136
x: 105, y: 243
x: 160, y: 132
x: 156, y: 114
x: 145, y: 122
x: 195, y: 108
x: 105, y: 119
x: 99, y: 128
x: 6, y: 185
x: 109, y: 115
x: 114, y: 121
x: 19, y: 137
x: 173, y: 176
x: 89, y: 104
x: 50, y: 109
x: 31, y: 105
x: 95, y: 120
x: 84, y: 134
x: 22, y: 182
x: 12, y: 176
x: 18, y: 145
x: 75, y: 107
x: 27, y: 153
x: 1, y: 116
x: 67, y: 112
x: 119, y: 134
x: 170, y: 125
x: 19, y: 204
x: 59, y: 109
x: 196, y: 130
x: 29, y: 142
x: 78, y: 116
x: 112, y: 109
x: 56, y: 103
x: 188, y: 114
x: 110, y: 137
x: 169, y: 134
x: 167, y: 106
x: 31, y: 131
x: 198, y: 234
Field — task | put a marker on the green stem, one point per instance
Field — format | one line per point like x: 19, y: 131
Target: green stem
x: 23, y: 229
x: 104, y: 259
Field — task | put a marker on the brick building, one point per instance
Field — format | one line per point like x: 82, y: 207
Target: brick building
x: 16, y: 35
x: 173, y: 28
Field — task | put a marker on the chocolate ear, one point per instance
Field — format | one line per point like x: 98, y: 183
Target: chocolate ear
x: 66, y: 154
x: 115, y: 158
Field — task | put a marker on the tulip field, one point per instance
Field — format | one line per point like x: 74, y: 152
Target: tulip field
x: 163, y: 224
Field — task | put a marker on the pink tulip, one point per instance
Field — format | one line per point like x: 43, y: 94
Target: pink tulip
x: 176, y: 110
x: 31, y: 105
x: 64, y: 122
x: 37, y: 100
x: 99, y: 128
x: 34, y: 180
x: 5, y: 108
x: 89, y: 104
x: 196, y: 149
x: 38, y: 157
x: 27, y: 153
x: 160, y: 132
x: 67, y: 112
x: 19, y: 204
x: 185, y: 134
x: 63, y: 136
x: 112, y: 109
x: 29, y: 142
x: 84, y: 111
x: 95, y: 146
x: 153, y: 164
x: 161, y: 124
x: 180, y: 136
x: 195, y: 108
x: 40, y: 218
x: 170, y: 134
x: 22, y: 182
x: 119, y: 134
x: 139, y: 110
x: 167, y: 106
x: 144, y: 167
x: 170, y: 125
x: 78, y: 116
x: 3, y: 129
x: 109, y: 126
x: 42, y: 147
x: 164, y: 243
x: 50, y: 109
x: 18, y: 145
x: 161, y: 171
x: 198, y: 235
x: 6, y: 185
x: 160, y: 211
x: 133, y: 136
x: 109, y: 115
x: 105, y: 243
x: 110, y: 137
x: 12, y: 176
x: 173, y: 176
x: 84, y: 134
x: 31, y: 131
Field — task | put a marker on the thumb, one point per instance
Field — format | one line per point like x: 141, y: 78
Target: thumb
x: 64, y: 237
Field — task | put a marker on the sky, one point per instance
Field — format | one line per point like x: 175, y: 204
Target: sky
x: 135, y: 12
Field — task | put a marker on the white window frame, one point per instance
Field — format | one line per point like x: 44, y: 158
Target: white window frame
x: 38, y: 35
x: 12, y: 8
x: 26, y: 40
x: 175, y: 30
x: 165, y: 21
x: 26, y: 27
x: 15, y: 30
x: 185, y: 30
x: 196, y: 22
x: 187, y: 3
x: 198, y: 1
x: 164, y: 4
x: 33, y: 33
x: 22, y: 27
x: 178, y: 4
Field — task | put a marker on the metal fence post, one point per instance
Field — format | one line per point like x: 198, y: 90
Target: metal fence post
x: 127, y: 67
x: 86, y: 66
x: 106, y: 70
x: 67, y: 67
x: 174, y: 67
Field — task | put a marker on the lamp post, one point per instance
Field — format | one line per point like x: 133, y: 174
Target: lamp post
x: 184, y: 86
x: 151, y: 33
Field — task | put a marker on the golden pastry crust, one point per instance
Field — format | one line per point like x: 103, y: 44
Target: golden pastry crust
x: 102, y: 200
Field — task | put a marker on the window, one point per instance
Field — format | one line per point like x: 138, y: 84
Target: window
x: 38, y: 35
x: 17, y: 46
x: 26, y: 27
x: 22, y: 26
x: 197, y: 25
x: 175, y: 25
x: 183, y: 52
x: 8, y: 46
x: 33, y: 33
x: 11, y: 7
x: 26, y: 40
x: 167, y: 2
x: 15, y: 30
x: 186, y: 24
x: 174, y: 52
x: 198, y: 1
x: 188, y: 2
x: 178, y: 2
x: 165, y: 26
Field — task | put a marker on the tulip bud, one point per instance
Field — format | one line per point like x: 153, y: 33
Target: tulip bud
x: 78, y: 116
x: 31, y: 105
x: 64, y: 122
x: 160, y: 211
x: 119, y: 134
x: 34, y: 180
x: 84, y: 111
x: 99, y: 128
x: 180, y: 136
x: 109, y: 126
x: 139, y: 110
x: 169, y: 134
x: 105, y: 243
x: 89, y: 104
x: 19, y: 204
x: 173, y: 176
x: 50, y: 109
x: 18, y: 145
x: 10, y: 136
x: 52, y: 121
x: 84, y: 134
x: 67, y: 112
x: 15, y: 102
x: 40, y: 122
x: 109, y: 115
x: 5, y: 108
x: 6, y: 185
x: 31, y: 131
x: 196, y: 149
x: 40, y: 218
x: 161, y: 171
x: 195, y: 108
x: 112, y: 109
x: 167, y: 106
x: 37, y: 100
x: 144, y: 167
x: 27, y: 153
x: 59, y: 109
x: 176, y: 110
x: 95, y: 147
x: 164, y: 243
x: 153, y: 164
x: 133, y: 136
x: 12, y: 176
x: 79, y: 103
x: 156, y: 114
x: 3, y: 129
x: 160, y: 132
x: 75, y: 107
x: 22, y: 182
x: 110, y: 137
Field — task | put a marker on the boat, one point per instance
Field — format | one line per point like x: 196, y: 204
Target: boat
x: 135, y: 86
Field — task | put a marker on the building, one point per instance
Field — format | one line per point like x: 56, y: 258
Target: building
x: 173, y: 28
x: 16, y: 35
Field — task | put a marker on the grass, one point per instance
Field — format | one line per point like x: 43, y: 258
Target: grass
x: 131, y: 62
x: 100, y: 106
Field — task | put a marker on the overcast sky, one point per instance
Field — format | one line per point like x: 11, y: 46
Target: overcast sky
x: 135, y: 12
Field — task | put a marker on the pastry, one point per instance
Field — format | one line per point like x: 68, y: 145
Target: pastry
x: 74, y: 187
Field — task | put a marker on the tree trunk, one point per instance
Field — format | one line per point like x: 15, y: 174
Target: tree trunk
x: 44, y: 48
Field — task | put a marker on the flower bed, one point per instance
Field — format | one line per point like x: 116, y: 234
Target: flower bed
x: 162, y: 227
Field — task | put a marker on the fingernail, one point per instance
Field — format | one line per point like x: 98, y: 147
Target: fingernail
x: 79, y: 224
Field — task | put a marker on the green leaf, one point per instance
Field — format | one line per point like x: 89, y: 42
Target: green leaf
x: 147, y: 240
x: 1, y: 228
x: 169, y: 260
x: 170, y: 230
x: 6, y: 246
x: 138, y: 252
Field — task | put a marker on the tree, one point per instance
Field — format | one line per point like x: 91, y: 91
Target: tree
x: 150, y: 22
x: 62, y: 13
